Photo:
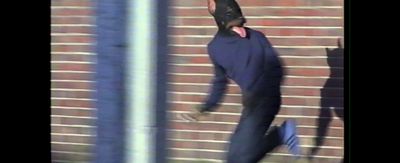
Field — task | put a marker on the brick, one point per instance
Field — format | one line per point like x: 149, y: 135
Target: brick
x: 72, y: 48
x: 82, y: 3
x: 71, y: 76
x: 73, y: 121
x: 71, y: 157
x: 71, y: 12
x: 73, y: 112
x: 72, y: 85
x: 73, y: 103
x: 72, y: 139
x: 72, y: 20
x: 72, y: 94
x: 72, y: 39
x: 72, y: 66
x: 71, y: 130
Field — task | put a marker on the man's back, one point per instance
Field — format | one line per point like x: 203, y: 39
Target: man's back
x: 251, y: 62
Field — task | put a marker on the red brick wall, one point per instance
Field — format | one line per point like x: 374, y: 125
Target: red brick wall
x: 300, y: 30
x: 72, y: 61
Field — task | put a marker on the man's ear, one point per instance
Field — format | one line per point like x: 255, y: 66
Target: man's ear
x: 339, y: 43
x: 211, y: 6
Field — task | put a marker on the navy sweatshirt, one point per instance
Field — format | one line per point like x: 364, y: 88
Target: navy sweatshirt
x: 251, y: 62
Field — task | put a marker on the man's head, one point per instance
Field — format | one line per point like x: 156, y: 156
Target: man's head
x: 227, y: 15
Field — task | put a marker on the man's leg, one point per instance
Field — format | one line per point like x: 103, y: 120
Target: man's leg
x: 249, y: 143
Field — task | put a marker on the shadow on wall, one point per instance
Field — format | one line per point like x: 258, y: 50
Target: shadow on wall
x: 332, y: 89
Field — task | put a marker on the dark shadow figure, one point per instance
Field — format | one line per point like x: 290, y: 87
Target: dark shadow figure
x: 332, y: 89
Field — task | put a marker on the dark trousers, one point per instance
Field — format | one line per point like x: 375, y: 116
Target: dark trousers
x: 250, y: 141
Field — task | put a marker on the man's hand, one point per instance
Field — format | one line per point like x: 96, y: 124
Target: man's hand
x: 193, y: 116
